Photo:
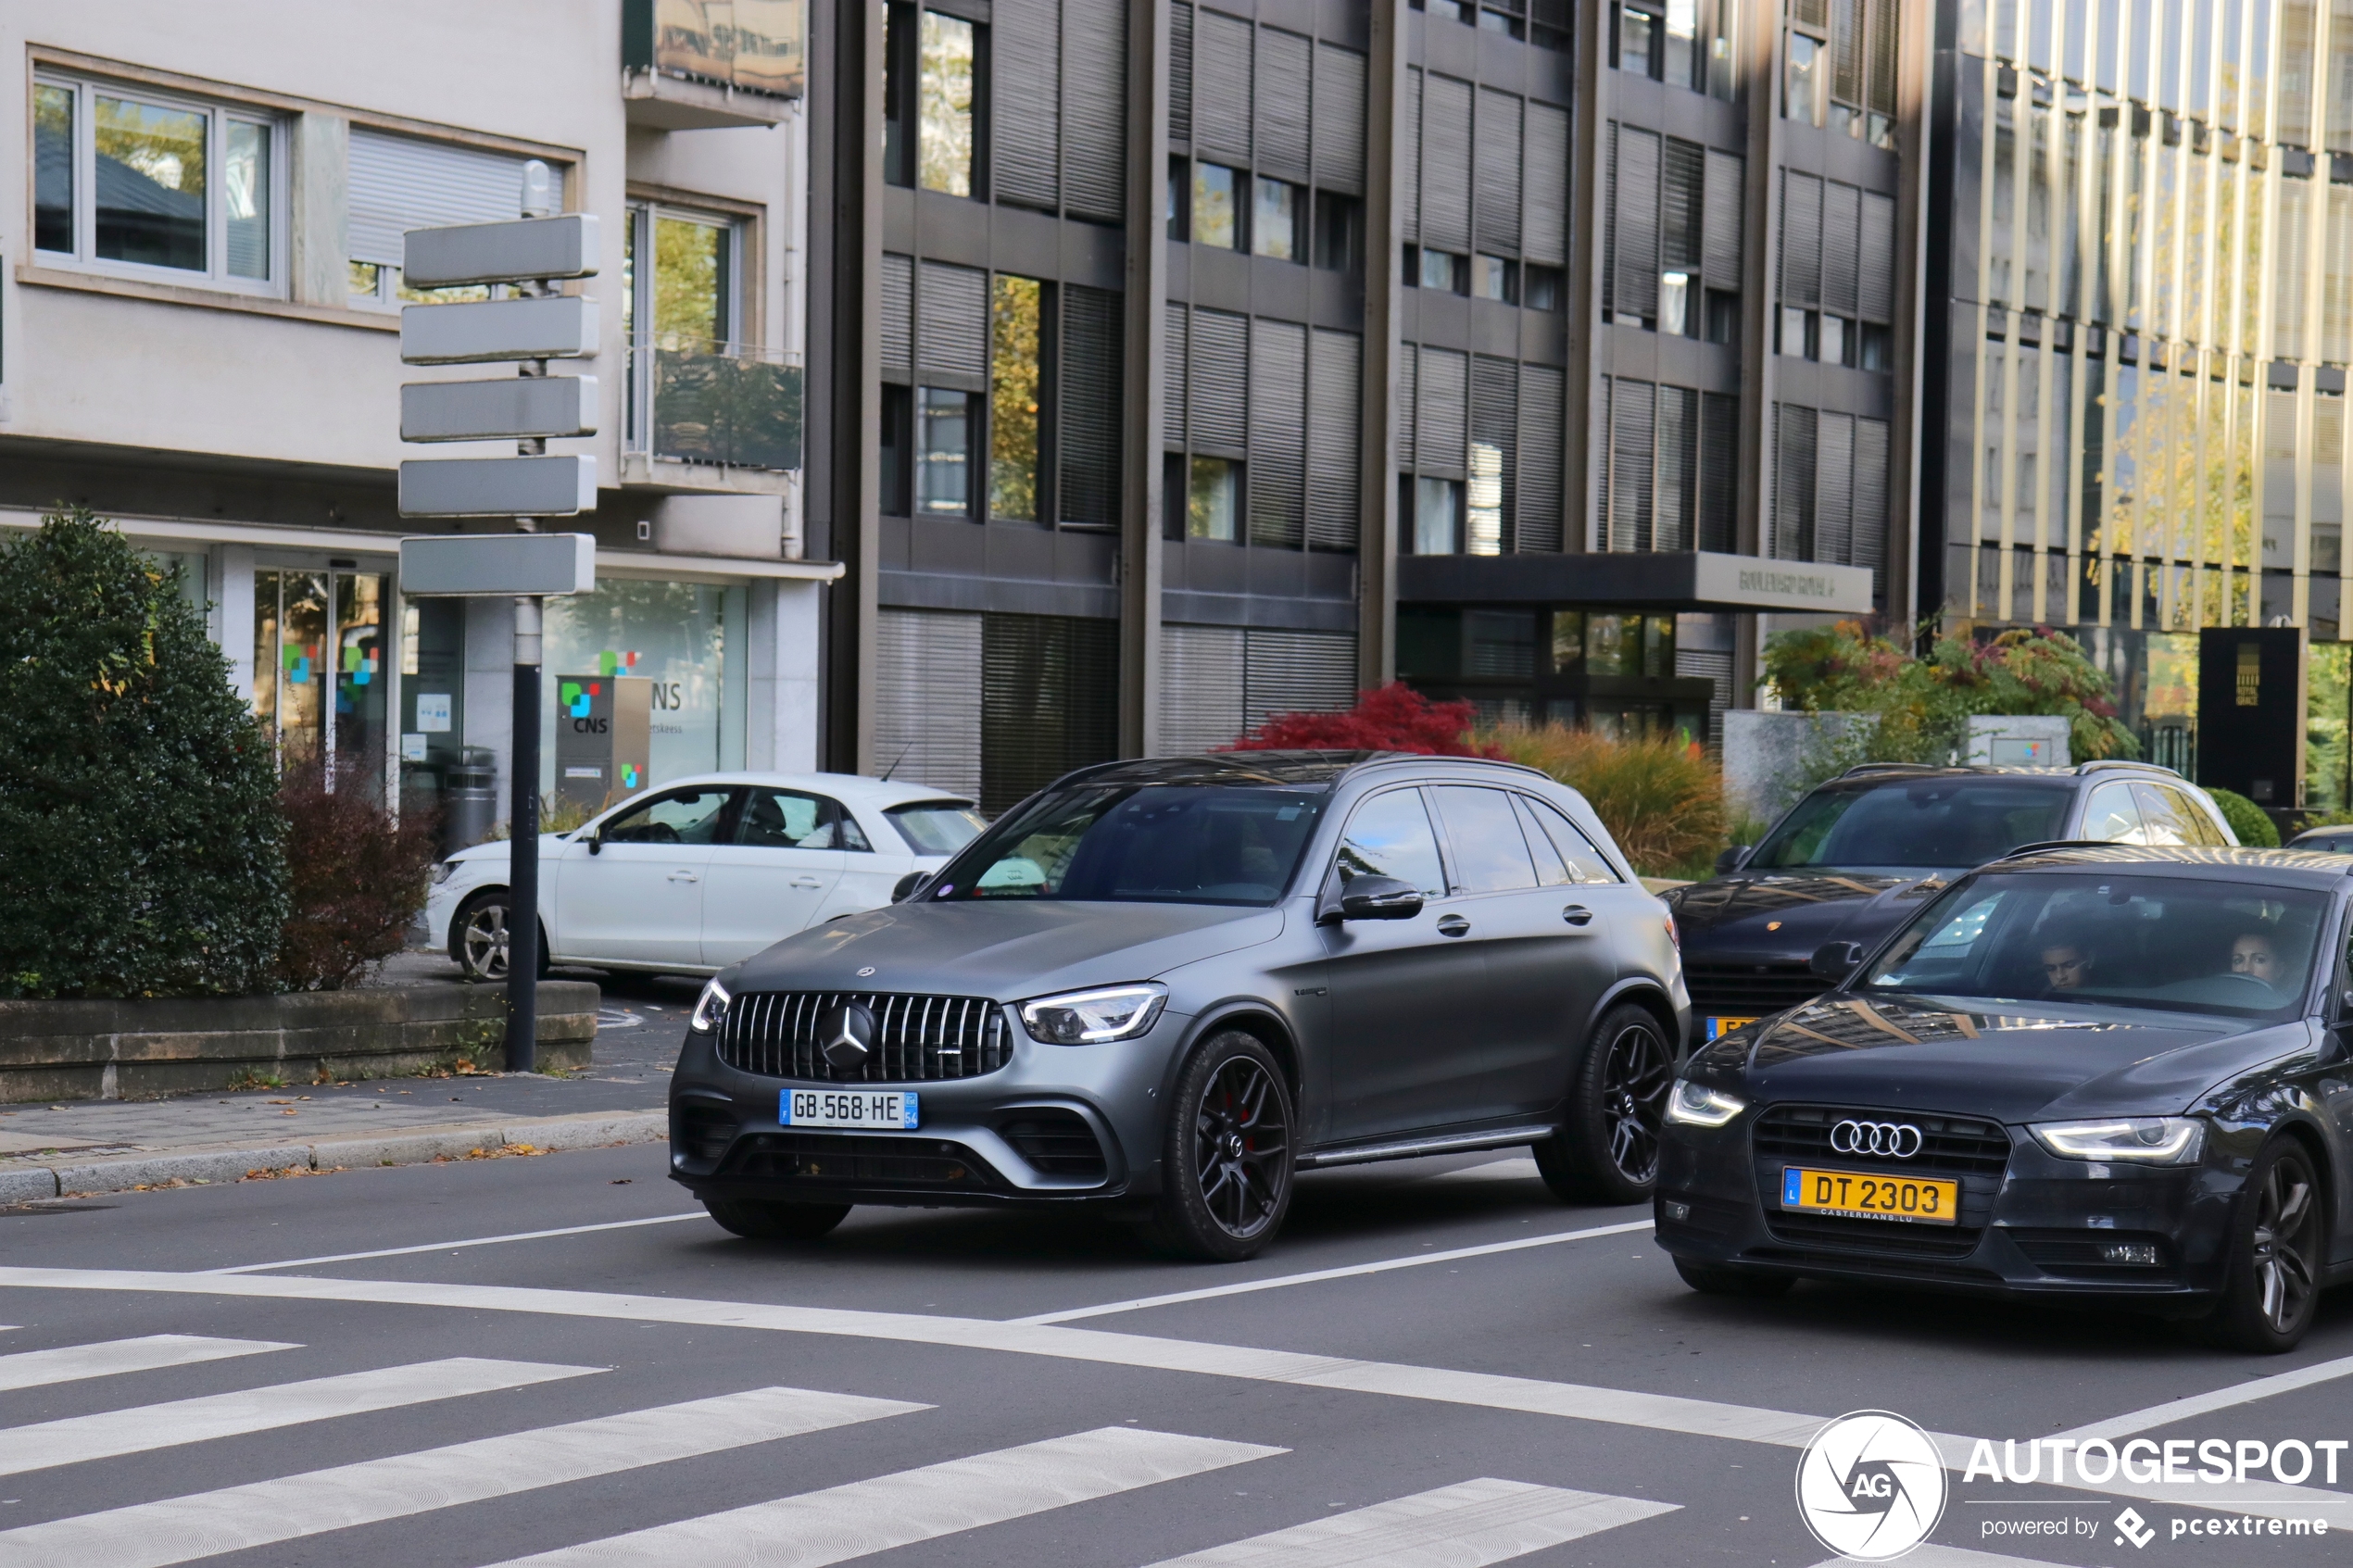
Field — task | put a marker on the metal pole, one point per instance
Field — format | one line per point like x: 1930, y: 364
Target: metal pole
x: 523, y: 847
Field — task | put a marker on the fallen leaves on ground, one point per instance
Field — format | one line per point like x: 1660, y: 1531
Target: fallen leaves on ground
x: 269, y: 1174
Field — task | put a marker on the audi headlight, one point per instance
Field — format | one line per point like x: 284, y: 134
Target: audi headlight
x: 709, y: 1008
x: 2142, y: 1140
x: 1087, y: 1017
x: 1696, y: 1105
x: 443, y: 871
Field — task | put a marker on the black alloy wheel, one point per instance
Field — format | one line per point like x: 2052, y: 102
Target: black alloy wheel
x: 757, y: 1221
x: 2275, y: 1253
x: 1225, y: 1177
x: 1607, y: 1151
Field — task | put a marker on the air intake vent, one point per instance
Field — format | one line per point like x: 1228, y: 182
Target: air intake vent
x: 1056, y: 1143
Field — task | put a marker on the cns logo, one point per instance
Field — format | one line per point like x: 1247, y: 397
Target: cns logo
x: 1870, y: 1485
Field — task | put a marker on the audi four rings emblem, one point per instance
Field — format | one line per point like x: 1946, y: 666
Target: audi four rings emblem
x: 1896, y: 1140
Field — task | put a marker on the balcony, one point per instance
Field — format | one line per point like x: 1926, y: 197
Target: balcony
x: 700, y: 65
x: 707, y: 417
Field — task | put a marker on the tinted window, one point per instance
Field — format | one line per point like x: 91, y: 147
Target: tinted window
x: 936, y: 827
x: 1571, y: 840
x: 1390, y: 835
x: 2164, y: 815
x: 1550, y: 869
x: 1483, y: 833
x: 2092, y: 937
x: 1128, y: 843
x: 1924, y: 822
x: 2111, y: 817
x: 690, y: 816
x: 786, y: 819
x: 2203, y: 828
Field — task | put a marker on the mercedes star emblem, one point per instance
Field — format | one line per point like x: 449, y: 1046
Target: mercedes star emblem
x: 846, y: 1037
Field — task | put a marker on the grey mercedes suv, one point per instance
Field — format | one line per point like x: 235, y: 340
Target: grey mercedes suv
x: 1167, y: 987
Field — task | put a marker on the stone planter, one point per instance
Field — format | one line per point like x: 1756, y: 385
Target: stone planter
x: 136, y: 1049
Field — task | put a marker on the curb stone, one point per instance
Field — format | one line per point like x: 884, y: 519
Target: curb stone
x: 417, y: 1146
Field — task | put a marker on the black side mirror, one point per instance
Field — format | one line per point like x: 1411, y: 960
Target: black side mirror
x: 1733, y: 859
x: 596, y: 842
x: 908, y: 886
x: 1834, y: 962
x: 1379, y: 897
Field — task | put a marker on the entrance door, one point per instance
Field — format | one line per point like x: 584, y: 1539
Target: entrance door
x: 320, y: 674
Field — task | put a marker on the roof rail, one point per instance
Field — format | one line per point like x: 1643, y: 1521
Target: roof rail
x: 2038, y: 848
x: 2098, y: 764
x: 1860, y: 768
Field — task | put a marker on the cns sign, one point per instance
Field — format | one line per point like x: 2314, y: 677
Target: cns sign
x: 603, y: 738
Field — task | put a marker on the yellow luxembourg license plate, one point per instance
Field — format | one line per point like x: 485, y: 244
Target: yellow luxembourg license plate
x: 1717, y: 1026
x: 1919, y: 1200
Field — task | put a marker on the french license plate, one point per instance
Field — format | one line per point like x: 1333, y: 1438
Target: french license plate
x: 848, y: 1107
x: 1717, y: 1026
x: 1918, y: 1201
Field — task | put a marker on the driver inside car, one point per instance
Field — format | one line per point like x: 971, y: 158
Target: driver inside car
x: 2253, y: 955
x: 2066, y: 965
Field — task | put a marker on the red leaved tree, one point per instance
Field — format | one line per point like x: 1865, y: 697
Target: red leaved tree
x: 1395, y: 718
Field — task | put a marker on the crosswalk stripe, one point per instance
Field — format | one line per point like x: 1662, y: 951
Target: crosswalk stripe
x: 142, y: 1427
x: 1927, y: 1554
x: 236, y: 1518
x: 1465, y: 1525
x: 69, y: 1363
x: 848, y: 1521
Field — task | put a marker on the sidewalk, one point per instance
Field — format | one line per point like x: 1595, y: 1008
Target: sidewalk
x: 113, y: 1146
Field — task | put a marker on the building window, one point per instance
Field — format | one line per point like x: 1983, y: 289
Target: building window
x: 1437, y: 270
x: 943, y: 450
x: 397, y: 184
x: 1217, y: 214
x: 144, y: 183
x: 1213, y: 499
x: 681, y: 316
x: 1180, y: 226
x: 1274, y: 220
x: 1807, y: 93
x: 947, y: 77
x: 1674, y: 302
x: 1492, y: 277
x: 1640, y: 37
x: 1542, y: 287
x: 1438, y: 515
x: 898, y: 446
x: 1339, y: 232
x: 1016, y: 321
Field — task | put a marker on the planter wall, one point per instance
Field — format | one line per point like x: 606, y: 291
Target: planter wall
x: 136, y: 1049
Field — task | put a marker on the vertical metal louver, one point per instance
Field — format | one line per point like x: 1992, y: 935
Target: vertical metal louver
x: 1409, y: 155
x: 1842, y: 232
x: 1724, y: 199
x: 1095, y: 110
x: 1833, y: 488
x: 1180, y: 73
x: 1495, y: 433
x: 1441, y: 399
x: 1793, y: 482
x: 1335, y: 398
x: 1499, y: 140
x: 1277, y: 470
x: 1172, y: 388
x: 1876, y: 292
x: 1296, y: 672
x: 1609, y: 223
x: 1633, y: 406
x: 1200, y: 688
x: 928, y: 697
x: 1409, y: 356
x: 1218, y: 380
x: 1279, y: 103
x: 1636, y: 217
x: 898, y: 312
x: 1884, y: 19
x: 1050, y: 701
x: 1810, y: 13
x: 1801, y: 280
x: 1339, y: 119
x: 1676, y: 496
x: 1092, y: 393
x: 1539, y: 524
x: 1025, y: 131
x: 1446, y: 164
x: 1846, y: 52
x: 1543, y: 236
x: 1719, y: 452
x: 1871, y: 497
x: 1221, y: 86
x: 953, y: 302
x: 1682, y: 217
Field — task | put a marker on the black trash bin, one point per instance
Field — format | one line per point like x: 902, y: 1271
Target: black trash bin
x: 470, y: 802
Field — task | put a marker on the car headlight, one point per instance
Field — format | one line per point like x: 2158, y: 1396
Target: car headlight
x: 1087, y: 1017
x: 1696, y: 1105
x: 443, y: 871
x: 709, y: 1008
x: 2142, y: 1140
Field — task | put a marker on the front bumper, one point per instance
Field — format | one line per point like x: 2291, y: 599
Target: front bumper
x: 1056, y: 1125
x: 2042, y: 1227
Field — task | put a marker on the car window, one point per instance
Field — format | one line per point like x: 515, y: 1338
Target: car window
x: 1584, y: 859
x: 2201, y: 820
x: 1166, y: 844
x: 2110, y: 815
x: 1483, y: 833
x: 936, y: 827
x: 686, y: 816
x: 1390, y: 835
x: 2164, y: 816
x: 789, y: 819
x: 1550, y: 869
x: 1930, y: 822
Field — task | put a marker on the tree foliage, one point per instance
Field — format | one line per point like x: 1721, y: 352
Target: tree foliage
x: 141, y: 843
x: 1395, y: 718
x: 1662, y: 799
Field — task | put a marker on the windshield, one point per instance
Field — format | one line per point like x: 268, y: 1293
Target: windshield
x: 1922, y: 822
x: 2177, y: 943
x: 936, y: 827
x: 1159, y: 843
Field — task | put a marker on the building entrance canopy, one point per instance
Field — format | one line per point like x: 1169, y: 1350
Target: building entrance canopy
x: 1686, y: 580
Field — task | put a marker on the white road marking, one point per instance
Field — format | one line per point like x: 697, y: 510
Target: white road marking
x: 1349, y: 1272
x: 454, y: 1245
x: 142, y: 1427
x: 237, y: 1518
x: 70, y: 1363
x: 859, y: 1517
x: 2256, y: 1388
x: 1468, y: 1525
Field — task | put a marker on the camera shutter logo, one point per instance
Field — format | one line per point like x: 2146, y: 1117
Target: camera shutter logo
x: 1870, y: 1485
x: 1895, y: 1140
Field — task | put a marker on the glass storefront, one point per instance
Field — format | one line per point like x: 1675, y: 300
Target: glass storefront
x: 1613, y: 671
x: 319, y: 675
x: 672, y: 634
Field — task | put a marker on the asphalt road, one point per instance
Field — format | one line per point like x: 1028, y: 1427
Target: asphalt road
x: 1556, y: 1399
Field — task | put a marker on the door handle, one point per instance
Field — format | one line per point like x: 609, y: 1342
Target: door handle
x: 1453, y: 925
x: 807, y: 882
x: 1578, y: 914
x: 683, y: 874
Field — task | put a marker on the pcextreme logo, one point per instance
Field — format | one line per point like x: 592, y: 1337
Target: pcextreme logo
x: 1870, y: 1485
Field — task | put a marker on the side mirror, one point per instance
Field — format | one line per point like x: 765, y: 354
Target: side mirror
x: 595, y: 842
x: 1834, y: 962
x: 1379, y: 897
x: 1733, y: 859
x: 909, y: 886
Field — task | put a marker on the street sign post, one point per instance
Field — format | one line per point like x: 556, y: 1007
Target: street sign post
x: 530, y: 326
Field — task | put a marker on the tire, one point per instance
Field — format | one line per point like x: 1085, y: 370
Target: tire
x: 755, y: 1220
x: 2277, y: 1234
x: 478, y: 936
x: 1607, y: 1148
x: 1225, y: 1158
x: 1709, y: 1279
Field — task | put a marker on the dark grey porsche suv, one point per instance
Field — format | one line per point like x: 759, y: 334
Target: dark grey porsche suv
x: 1166, y: 986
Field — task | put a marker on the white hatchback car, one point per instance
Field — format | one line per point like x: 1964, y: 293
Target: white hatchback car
x: 703, y: 872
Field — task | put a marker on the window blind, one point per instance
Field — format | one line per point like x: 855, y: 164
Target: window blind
x: 1218, y: 400
x: 1202, y: 688
x: 1793, y: 482
x: 1443, y: 395
x: 1677, y: 467
x: 898, y: 311
x: 1173, y: 387
x: 1095, y: 110
x: 1050, y: 701
x: 1724, y: 197
x: 1632, y: 446
x: 1846, y: 51
x: 1408, y: 404
x: 399, y: 183
x: 1279, y: 102
x: 1091, y: 396
x: 1682, y: 219
x: 1720, y: 451
x: 1297, y: 672
x: 1636, y: 215
x: 1277, y: 471
x: 1833, y: 488
x: 1801, y: 280
x: 1446, y: 164
x: 1409, y: 145
x: 953, y: 333
x: 1871, y: 497
x: 1499, y: 138
x: 1544, y: 229
x: 1537, y: 526
x: 928, y: 697
x: 1221, y: 86
x: 1876, y: 289
x: 1883, y: 52
x: 1340, y: 119
x: 1335, y: 394
x: 1842, y: 232
x: 1180, y: 73
x: 1025, y: 130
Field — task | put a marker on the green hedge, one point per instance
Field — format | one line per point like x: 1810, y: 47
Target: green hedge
x: 2254, y: 829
